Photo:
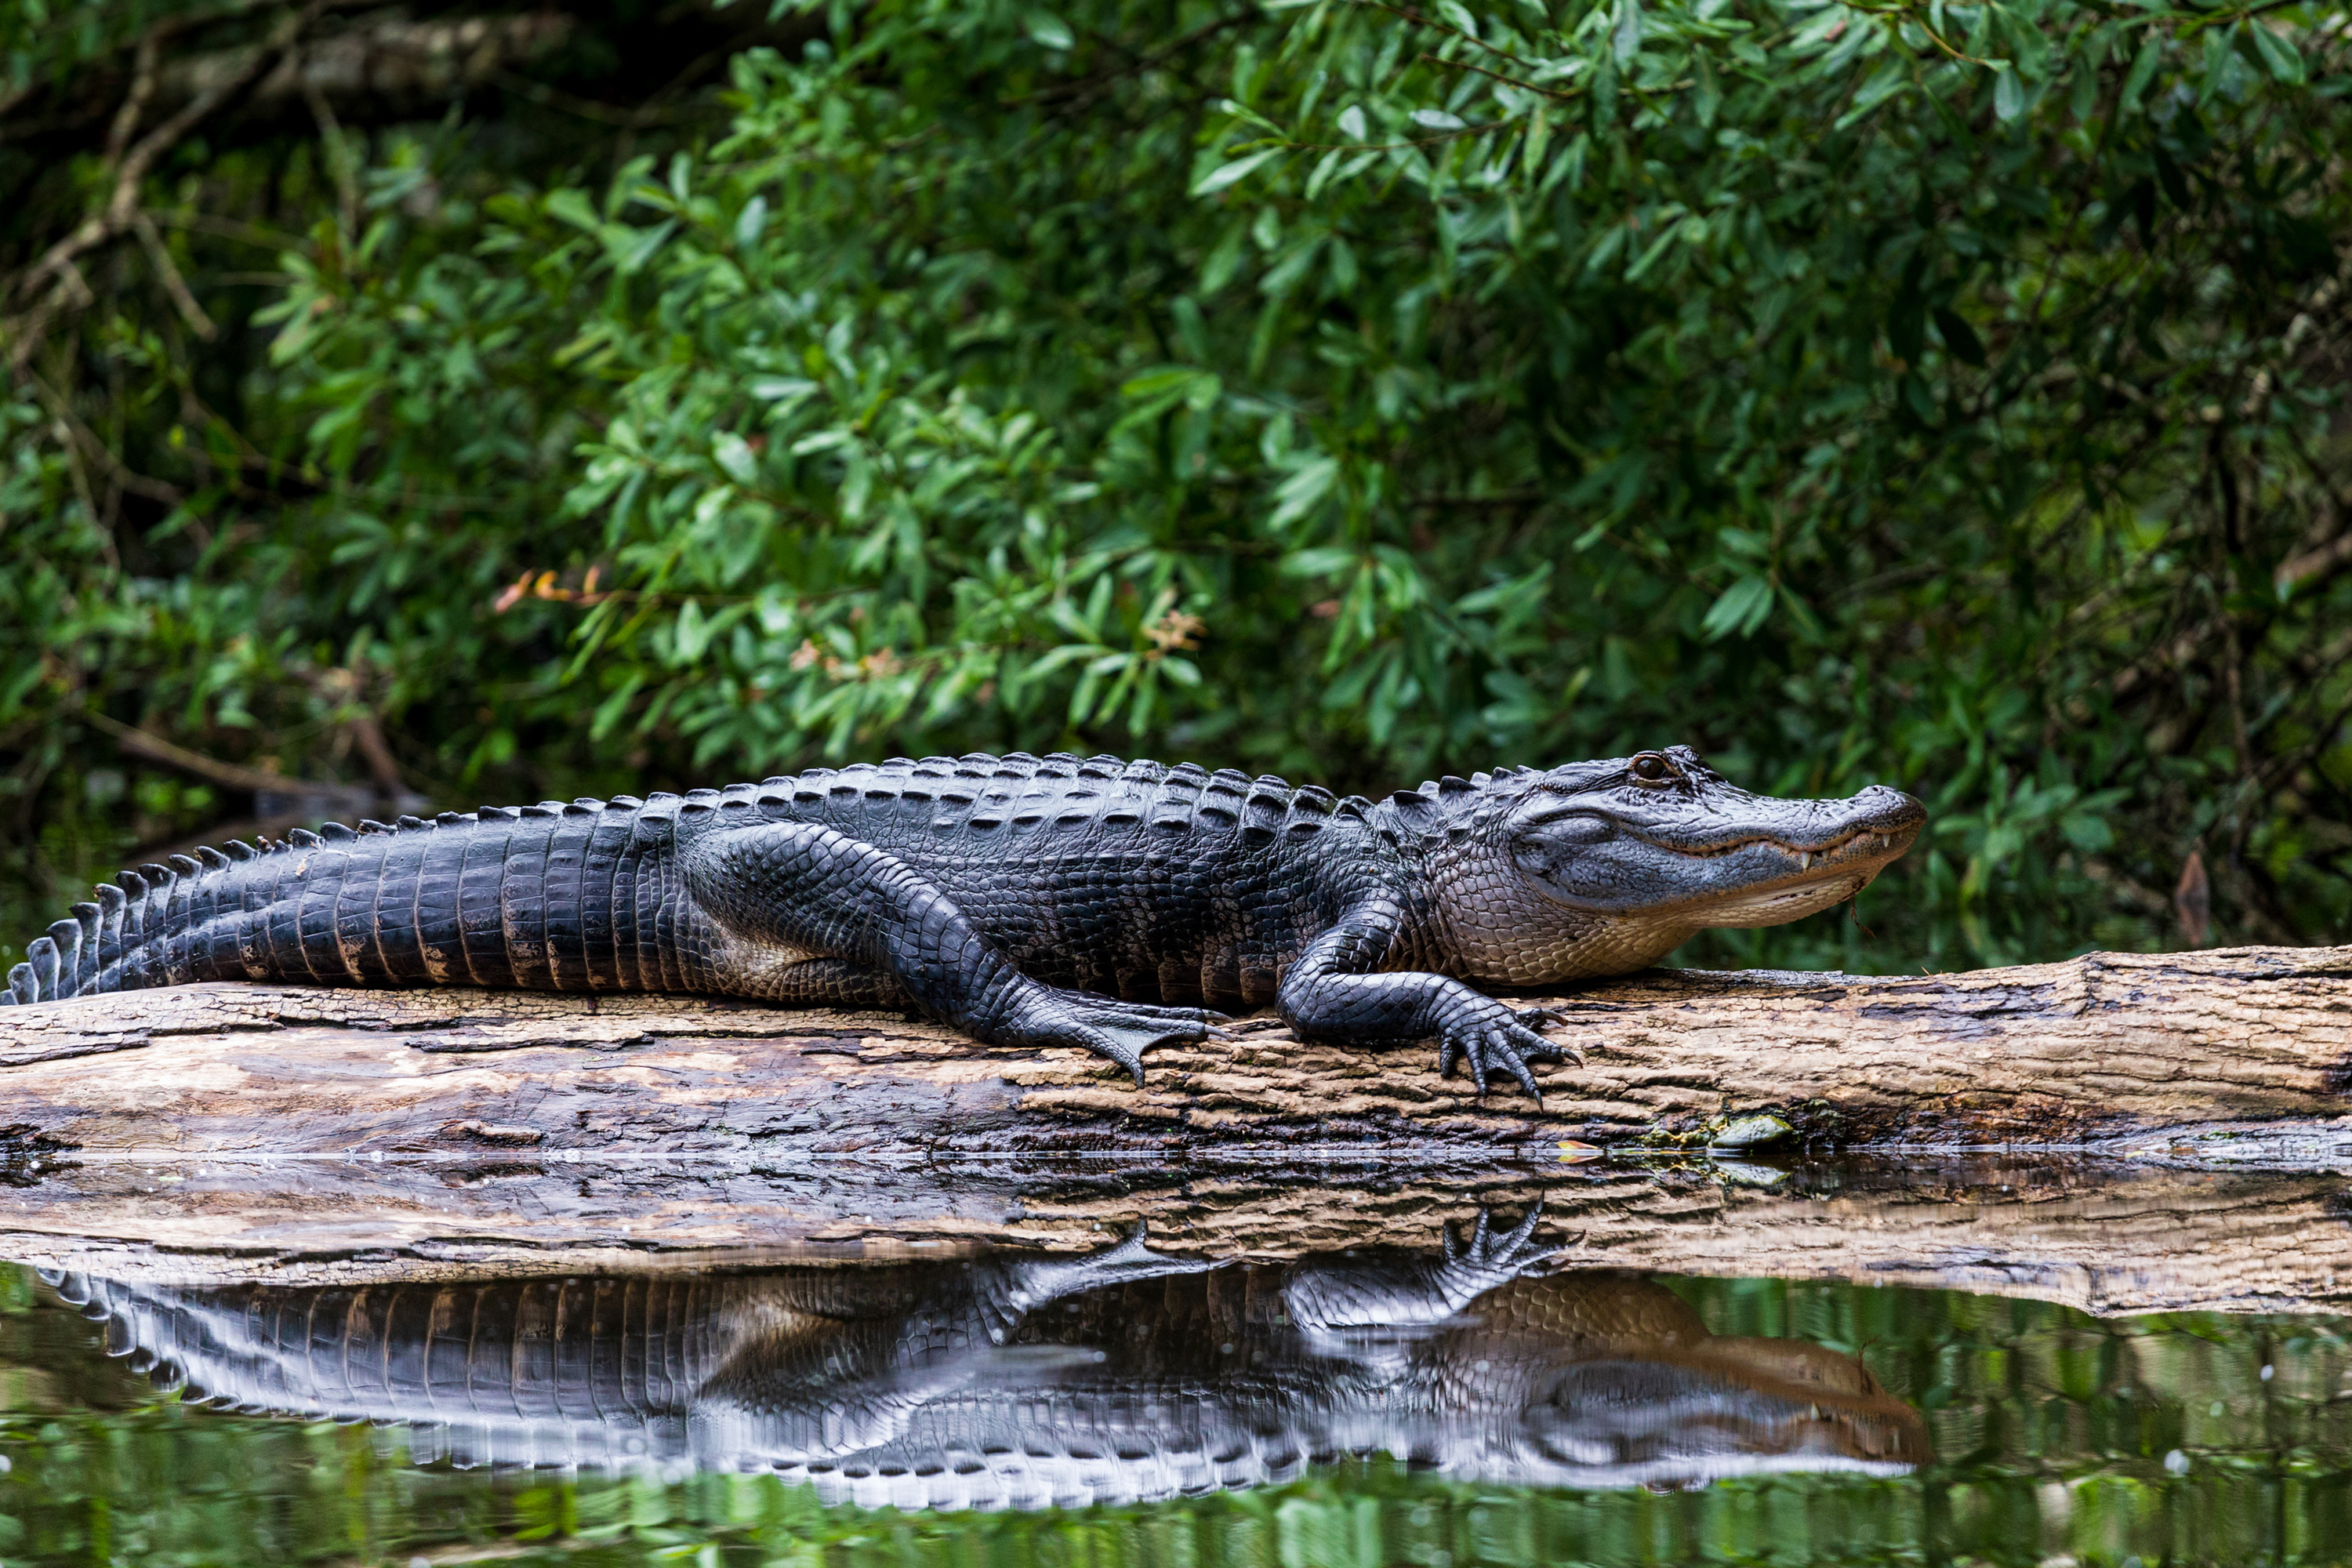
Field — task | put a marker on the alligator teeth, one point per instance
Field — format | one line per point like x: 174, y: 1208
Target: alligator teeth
x: 1804, y: 860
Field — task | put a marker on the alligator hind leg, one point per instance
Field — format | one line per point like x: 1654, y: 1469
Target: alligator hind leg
x: 797, y: 911
x: 836, y: 982
x: 839, y: 983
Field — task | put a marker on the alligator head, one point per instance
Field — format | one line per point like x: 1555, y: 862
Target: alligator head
x: 1604, y: 866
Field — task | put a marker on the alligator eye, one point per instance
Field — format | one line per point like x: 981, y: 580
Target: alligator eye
x: 1651, y: 768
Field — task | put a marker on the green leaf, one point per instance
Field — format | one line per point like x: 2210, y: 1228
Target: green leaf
x: 1891, y: 77
x: 1650, y: 255
x: 2285, y: 60
x: 1740, y: 609
x: 2143, y: 69
x: 1224, y: 175
x: 779, y: 389
x: 734, y: 454
x: 639, y: 246
x: 751, y: 222
x: 1303, y: 491
x: 1960, y: 337
x: 2168, y: 175
x: 690, y: 636
x: 1320, y: 561
x: 2007, y: 96
x: 1707, y: 97
x: 573, y: 207
x: 616, y: 708
x: 1625, y: 40
x: 1053, y: 660
x: 1048, y: 30
x: 1180, y: 379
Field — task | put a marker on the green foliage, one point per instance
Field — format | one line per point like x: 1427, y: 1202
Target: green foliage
x: 1943, y: 395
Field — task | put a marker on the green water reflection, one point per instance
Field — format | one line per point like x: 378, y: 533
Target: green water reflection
x: 2180, y: 1438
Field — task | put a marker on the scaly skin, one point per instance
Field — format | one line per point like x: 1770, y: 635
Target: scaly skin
x: 1028, y: 1381
x: 1028, y: 901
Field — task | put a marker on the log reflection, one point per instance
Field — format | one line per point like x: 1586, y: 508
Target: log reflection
x: 1030, y: 1381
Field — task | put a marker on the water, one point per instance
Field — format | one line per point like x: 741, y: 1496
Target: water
x: 1555, y: 1417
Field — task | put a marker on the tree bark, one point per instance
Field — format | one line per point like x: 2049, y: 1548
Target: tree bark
x: 222, y: 1129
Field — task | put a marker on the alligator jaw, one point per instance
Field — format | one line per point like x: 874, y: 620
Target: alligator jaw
x: 1770, y: 880
x: 1711, y: 856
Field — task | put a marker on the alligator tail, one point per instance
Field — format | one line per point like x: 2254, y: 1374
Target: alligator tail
x: 554, y: 897
x: 523, y: 1371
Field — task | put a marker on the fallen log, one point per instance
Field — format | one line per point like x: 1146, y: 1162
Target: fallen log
x: 2107, y: 1048
x: 2101, y: 1235
x: 226, y: 1131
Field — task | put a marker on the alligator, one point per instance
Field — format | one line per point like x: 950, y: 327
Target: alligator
x: 1028, y: 901
x: 1026, y: 1382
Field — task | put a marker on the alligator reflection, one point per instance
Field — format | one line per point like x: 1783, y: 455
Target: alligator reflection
x: 1032, y: 1381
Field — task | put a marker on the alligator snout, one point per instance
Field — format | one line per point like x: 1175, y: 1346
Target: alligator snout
x: 1891, y: 808
x: 1887, y: 814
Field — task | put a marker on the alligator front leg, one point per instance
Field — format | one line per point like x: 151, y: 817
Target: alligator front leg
x: 1334, y: 993
x: 796, y: 911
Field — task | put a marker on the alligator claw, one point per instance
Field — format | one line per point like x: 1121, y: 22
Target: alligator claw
x: 1038, y: 1280
x: 1485, y: 1250
x: 1120, y: 1031
x: 1489, y: 1260
x: 1500, y: 1046
x: 1185, y: 1025
x: 1551, y: 1018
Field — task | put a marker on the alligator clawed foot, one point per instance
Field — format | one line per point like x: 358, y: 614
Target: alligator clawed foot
x: 1119, y: 1031
x: 1489, y: 1257
x: 1500, y: 1046
x: 1184, y: 1024
x: 1035, y: 1281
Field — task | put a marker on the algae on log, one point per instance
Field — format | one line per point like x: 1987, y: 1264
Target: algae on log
x: 2102, y: 1047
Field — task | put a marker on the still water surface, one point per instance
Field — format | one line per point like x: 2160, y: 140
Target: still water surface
x: 1348, y: 1411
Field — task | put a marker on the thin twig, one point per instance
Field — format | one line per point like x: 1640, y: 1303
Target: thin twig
x: 134, y: 103
x: 85, y: 438
x: 118, y: 214
x: 228, y: 775
x: 230, y: 228
x: 1094, y: 86
x: 1908, y: 14
x: 547, y: 97
x: 1399, y: 146
x: 1417, y: 19
x: 168, y: 272
x: 1498, y: 76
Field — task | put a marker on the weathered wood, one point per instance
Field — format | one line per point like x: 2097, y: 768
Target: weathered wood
x: 2090, y: 1233
x: 2101, y: 1048
x: 226, y: 1131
